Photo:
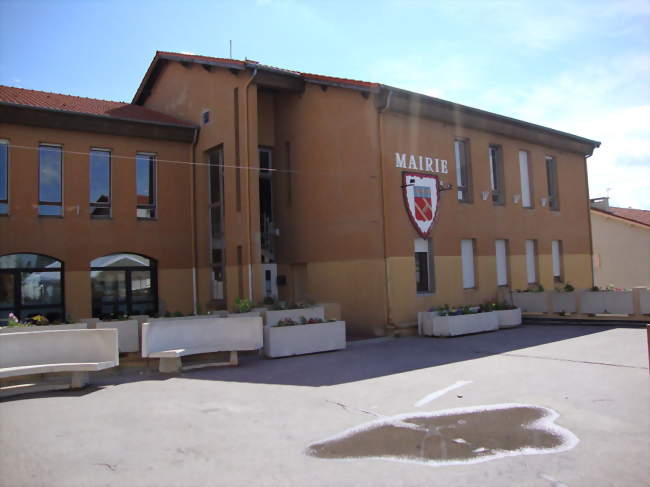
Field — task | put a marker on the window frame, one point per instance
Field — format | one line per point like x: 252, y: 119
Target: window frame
x: 5, y: 201
x: 552, y: 183
x: 557, y: 260
x: 466, y: 189
x: 217, y: 268
x: 531, y: 261
x: 506, y: 261
x: 429, y: 266
x: 497, y: 180
x: 529, y: 177
x: 472, y: 260
x: 61, y: 164
x: 153, y: 185
x: 109, y: 204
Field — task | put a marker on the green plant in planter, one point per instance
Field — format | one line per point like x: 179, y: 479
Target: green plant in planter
x: 168, y: 314
x: 268, y: 300
x: 536, y: 288
x: 287, y: 322
x: 568, y: 288
x: 243, y: 305
x: 38, y: 320
x: 178, y: 314
x: 595, y: 289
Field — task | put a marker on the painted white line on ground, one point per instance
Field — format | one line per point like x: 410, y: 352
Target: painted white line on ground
x: 441, y: 392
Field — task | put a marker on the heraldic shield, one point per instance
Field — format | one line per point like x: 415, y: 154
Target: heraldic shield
x: 421, y: 200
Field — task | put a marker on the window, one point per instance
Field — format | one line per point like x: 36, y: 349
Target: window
x: 467, y: 260
x: 556, y: 253
x: 145, y: 173
x: 216, y: 224
x: 31, y: 284
x: 524, y: 174
x: 551, y: 178
x: 424, y: 272
x: 463, y: 177
x: 205, y: 116
x: 496, y: 175
x: 4, y: 177
x: 100, y: 183
x: 531, y: 261
x: 50, y: 178
x: 501, y: 247
x: 123, y: 284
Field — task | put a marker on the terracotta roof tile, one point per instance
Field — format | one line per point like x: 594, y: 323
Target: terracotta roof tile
x: 78, y: 104
x: 640, y: 216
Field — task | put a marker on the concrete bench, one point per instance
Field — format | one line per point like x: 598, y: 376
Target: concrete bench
x: 75, y: 351
x: 169, y: 340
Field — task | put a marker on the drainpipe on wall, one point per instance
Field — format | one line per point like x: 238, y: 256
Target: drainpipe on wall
x: 193, y: 219
x: 591, y: 236
x: 248, y: 185
x: 389, y: 317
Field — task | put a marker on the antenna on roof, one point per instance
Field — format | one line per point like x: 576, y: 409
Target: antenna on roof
x: 230, y: 41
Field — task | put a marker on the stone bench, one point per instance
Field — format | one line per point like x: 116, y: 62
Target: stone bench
x: 44, y: 352
x: 169, y: 340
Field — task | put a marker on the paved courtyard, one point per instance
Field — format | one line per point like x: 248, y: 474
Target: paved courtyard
x: 251, y: 425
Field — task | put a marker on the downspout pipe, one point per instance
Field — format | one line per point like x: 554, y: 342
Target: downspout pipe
x: 248, y: 186
x: 380, y: 112
x: 195, y: 140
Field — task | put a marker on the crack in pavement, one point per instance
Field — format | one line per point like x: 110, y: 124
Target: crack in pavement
x: 521, y: 355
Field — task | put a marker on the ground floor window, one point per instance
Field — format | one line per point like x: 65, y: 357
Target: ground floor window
x: 124, y: 284
x: 31, y: 284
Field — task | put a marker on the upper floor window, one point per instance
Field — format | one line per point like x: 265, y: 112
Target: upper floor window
x: 524, y: 174
x: 100, y: 183
x: 496, y: 175
x: 4, y: 177
x: 50, y: 179
x: 551, y: 178
x: 145, y: 174
x: 463, y: 175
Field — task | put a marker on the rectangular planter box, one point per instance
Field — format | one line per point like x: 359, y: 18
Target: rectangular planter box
x: 445, y: 326
x: 70, y: 326
x: 128, y: 336
x: 508, y: 318
x: 531, y: 302
x: 599, y: 302
x: 271, y: 318
x: 564, y: 302
x: 284, y: 341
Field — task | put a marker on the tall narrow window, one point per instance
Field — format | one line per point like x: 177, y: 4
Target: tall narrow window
x: 424, y: 272
x: 145, y: 169
x: 216, y: 225
x: 531, y: 261
x: 502, y: 262
x: 467, y: 259
x: 100, y: 183
x: 50, y: 178
x: 463, y: 176
x: 556, y: 253
x: 4, y: 177
x: 524, y: 174
x: 551, y: 178
x: 496, y: 175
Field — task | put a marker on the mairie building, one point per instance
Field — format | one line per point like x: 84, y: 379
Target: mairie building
x: 228, y: 179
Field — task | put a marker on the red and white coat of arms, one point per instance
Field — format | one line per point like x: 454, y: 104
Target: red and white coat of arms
x: 421, y: 199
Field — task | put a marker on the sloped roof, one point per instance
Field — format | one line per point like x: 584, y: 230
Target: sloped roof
x: 632, y: 214
x: 90, y: 106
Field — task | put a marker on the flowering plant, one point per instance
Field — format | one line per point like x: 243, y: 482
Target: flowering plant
x: 13, y: 320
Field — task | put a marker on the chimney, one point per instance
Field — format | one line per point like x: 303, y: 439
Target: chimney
x: 600, y: 203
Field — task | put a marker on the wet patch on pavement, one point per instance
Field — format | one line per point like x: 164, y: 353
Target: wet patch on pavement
x: 453, y: 436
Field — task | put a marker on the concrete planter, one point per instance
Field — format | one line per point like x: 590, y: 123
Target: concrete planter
x: 446, y: 326
x: 644, y: 301
x: 70, y: 326
x: 271, y: 318
x: 599, y: 302
x: 508, y: 318
x: 128, y: 334
x: 531, y: 302
x: 254, y: 313
x: 562, y: 302
x: 284, y: 341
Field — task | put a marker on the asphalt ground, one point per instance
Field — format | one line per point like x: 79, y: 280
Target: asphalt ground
x: 253, y: 424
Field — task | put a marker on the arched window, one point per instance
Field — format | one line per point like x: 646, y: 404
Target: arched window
x: 31, y: 284
x: 124, y: 284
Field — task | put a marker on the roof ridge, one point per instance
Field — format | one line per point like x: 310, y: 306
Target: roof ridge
x: 64, y: 94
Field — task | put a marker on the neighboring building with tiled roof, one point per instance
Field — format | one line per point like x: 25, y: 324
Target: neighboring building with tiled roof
x: 621, y: 245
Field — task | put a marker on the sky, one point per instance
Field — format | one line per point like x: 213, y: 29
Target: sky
x: 578, y: 66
